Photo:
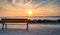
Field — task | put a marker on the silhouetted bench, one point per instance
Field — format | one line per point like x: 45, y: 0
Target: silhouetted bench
x: 6, y: 21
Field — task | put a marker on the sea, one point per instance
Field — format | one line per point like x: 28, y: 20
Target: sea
x: 36, y: 27
x: 34, y: 17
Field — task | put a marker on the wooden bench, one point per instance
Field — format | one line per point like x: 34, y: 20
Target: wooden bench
x: 6, y: 21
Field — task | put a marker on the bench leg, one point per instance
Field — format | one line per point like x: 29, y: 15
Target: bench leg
x: 5, y: 26
x: 27, y: 27
x: 2, y: 26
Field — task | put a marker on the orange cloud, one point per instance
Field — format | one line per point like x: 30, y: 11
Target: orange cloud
x: 20, y: 9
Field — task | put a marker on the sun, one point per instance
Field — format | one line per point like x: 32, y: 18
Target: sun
x: 30, y: 12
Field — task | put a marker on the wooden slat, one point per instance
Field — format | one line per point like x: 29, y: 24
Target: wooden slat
x: 14, y: 20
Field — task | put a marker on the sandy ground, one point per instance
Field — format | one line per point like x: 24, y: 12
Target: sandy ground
x: 34, y: 29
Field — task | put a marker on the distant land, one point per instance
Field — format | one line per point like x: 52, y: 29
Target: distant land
x: 31, y: 16
x: 35, y: 17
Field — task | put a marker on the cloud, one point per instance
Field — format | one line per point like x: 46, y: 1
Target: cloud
x: 44, y: 7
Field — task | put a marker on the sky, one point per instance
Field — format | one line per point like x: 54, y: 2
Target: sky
x: 21, y: 7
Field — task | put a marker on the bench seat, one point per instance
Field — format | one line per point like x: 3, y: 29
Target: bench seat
x: 9, y: 21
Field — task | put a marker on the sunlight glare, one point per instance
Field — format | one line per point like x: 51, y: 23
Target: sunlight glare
x: 30, y: 12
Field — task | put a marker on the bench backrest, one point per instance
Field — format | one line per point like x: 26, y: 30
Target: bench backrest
x: 14, y: 20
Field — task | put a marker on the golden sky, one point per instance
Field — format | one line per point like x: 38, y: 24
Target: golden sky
x: 22, y: 8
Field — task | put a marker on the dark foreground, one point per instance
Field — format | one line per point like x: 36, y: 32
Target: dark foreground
x: 34, y: 29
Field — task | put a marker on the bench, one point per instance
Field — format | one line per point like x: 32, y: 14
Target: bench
x: 6, y: 21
